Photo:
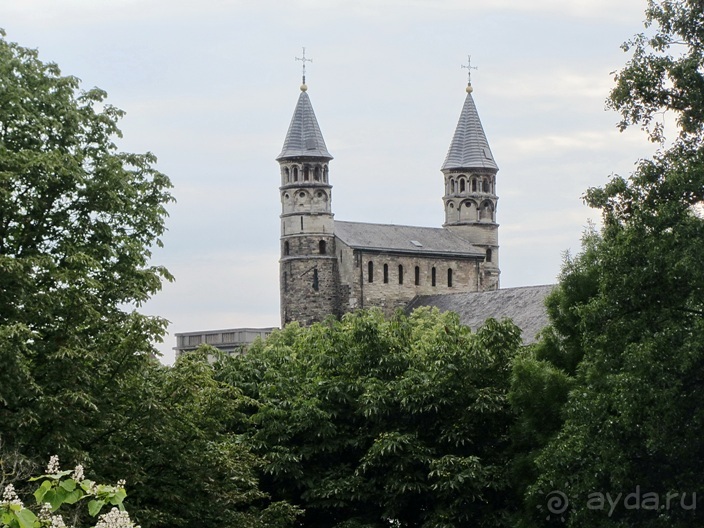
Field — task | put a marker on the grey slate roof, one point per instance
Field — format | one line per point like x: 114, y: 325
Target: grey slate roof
x: 525, y: 306
x: 404, y: 239
x: 304, y: 137
x: 469, y: 148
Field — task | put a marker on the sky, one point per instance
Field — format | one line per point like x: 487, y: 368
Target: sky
x: 210, y: 87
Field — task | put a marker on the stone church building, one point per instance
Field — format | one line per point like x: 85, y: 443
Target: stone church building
x: 331, y: 267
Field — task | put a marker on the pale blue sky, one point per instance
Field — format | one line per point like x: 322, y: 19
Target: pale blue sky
x: 210, y: 87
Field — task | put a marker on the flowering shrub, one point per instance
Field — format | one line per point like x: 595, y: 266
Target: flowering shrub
x: 58, y: 488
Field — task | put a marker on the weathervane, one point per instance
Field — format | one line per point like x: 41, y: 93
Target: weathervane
x: 304, y: 60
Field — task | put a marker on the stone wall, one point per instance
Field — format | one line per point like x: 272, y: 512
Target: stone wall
x: 309, y: 288
x: 387, y: 292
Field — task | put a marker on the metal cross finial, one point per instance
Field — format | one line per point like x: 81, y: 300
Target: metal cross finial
x: 304, y: 60
x: 469, y: 68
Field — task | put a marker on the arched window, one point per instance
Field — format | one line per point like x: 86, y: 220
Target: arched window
x: 316, y: 284
x: 316, y: 174
x: 417, y: 276
x: 386, y: 273
x: 321, y: 247
x: 287, y: 175
x: 286, y: 248
x: 452, y: 185
x: 306, y: 174
x: 370, y: 272
x: 400, y: 274
x: 325, y: 174
x: 295, y: 174
x: 474, y: 185
x: 485, y: 186
x: 486, y: 212
x: 488, y: 255
x: 462, y: 185
x: 432, y: 276
x: 449, y: 277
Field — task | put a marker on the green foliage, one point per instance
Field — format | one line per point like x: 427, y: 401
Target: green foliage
x: 623, y: 360
x: 59, y: 490
x: 665, y: 71
x: 77, y: 221
x: 366, y: 421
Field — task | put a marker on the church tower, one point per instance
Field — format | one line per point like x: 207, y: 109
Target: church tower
x: 309, y: 275
x: 470, y: 190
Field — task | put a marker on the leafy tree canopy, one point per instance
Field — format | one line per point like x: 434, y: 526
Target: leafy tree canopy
x: 373, y: 422
x: 625, y: 352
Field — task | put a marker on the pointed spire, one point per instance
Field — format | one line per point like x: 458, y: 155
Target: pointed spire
x: 469, y: 148
x: 304, y: 138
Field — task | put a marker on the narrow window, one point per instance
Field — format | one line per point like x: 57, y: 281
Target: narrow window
x: 316, y: 174
x: 287, y: 174
x: 295, y: 174
x: 315, y: 279
x: 474, y: 185
x: 449, y: 277
x: 400, y: 274
x: 370, y: 272
x: 306, y: 174
x: 301, y: 223
x: 321, y: 247
x: 488, y: 255
x: 486, y: 186
x: 432, y: 276
x: 452, y: 186
x: 286, y: 248
x: 462, y: 185
x: 386, y: 273
x: 325, y: 174
x: 417, y: 276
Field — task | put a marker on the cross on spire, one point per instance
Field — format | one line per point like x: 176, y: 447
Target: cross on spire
x: 304, y: 60
x: 469, y: 68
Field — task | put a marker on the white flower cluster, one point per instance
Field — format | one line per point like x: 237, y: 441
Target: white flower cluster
x: 77, y: 474
x: 115, y: 519
x: 9, y: 496
x: 53, y: 467
x: 57, y: 522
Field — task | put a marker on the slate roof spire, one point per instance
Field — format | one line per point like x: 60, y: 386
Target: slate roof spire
x: 469, y: 148
x: 304, y: 138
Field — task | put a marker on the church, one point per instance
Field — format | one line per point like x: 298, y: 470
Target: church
x: 331, y: 267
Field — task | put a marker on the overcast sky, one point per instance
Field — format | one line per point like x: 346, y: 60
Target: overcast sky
x: 210, y: 87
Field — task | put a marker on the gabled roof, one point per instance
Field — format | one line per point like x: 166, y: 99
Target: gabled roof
x: 469, y: 148
x: 525, y: 306
x: 405, y: 239
x: 304, y: 137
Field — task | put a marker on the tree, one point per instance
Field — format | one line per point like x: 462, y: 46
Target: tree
x: 628, y: 316
x: 371, y: 422
x: 78, y: 220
